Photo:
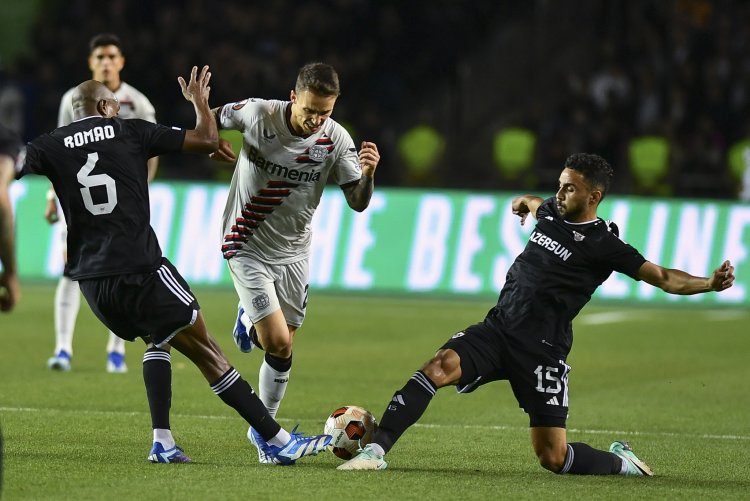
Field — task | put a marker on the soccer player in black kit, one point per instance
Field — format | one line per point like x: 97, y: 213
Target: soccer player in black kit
x: 527, y: 336
x: 98, y: 167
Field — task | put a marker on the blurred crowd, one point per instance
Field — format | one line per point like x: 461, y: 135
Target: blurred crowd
x: 677, y: 69
x: 583, y: 75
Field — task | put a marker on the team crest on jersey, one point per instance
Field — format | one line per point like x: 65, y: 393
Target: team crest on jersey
x: 318, y: 152
x: 239, y: 105
x: 577, y: 236
x: 261, y: 302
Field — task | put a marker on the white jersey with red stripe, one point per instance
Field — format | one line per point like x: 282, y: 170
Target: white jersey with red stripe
x: 133, y: 104
x: 279, y: 179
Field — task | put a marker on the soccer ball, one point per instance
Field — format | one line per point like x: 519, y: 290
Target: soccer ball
x: 351, y: 428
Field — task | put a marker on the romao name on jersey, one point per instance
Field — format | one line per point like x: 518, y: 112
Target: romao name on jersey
x: 279, y: 170
x: 549, y: 244
x: 89, y: 136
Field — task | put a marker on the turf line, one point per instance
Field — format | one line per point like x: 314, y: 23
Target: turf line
x: 708, y: 436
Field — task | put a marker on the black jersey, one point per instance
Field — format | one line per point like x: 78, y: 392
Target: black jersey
x: 556, y: 274
x: 98, y: 168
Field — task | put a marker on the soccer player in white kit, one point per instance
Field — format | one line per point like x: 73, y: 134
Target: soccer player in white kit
x: 289, y: 150
x: 105, y: 62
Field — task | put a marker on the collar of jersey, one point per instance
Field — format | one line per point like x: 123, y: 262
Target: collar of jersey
x: 86, y: 118
x: 578, y: 224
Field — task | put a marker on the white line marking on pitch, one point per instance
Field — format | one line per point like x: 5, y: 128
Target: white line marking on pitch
x: 709, y: 436
x: 612, y: 317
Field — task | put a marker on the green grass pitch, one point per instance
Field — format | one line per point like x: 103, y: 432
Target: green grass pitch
x: 674, y: 382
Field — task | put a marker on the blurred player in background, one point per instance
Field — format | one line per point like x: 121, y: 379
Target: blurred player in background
x: 105, y: 62
x: 11, y: 153
x: 97, y: 165
x: 290, y: 149
x: 527, y: 336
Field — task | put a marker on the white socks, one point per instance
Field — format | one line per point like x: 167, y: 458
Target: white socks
x: 67, y: 303
x: 116, y: 344
x: 271, y: 387
x: 281, y: 438
x: 164, y: 437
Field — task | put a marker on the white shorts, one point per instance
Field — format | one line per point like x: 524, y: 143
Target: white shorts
x: 264, y: 288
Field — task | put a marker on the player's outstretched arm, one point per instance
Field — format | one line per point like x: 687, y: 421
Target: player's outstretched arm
x: 205, y: 137
x: 10, y: 290
x: 524, y: 205
x: 358, y: 194
x: 682, y: 283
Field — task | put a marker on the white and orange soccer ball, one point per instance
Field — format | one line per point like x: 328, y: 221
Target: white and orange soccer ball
x: 351, y: 427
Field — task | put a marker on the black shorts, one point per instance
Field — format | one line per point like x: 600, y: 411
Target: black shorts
x: 154, y: 306
x: 538, y: 377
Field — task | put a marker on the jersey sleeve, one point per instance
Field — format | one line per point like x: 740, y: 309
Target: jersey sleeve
x: 148, y: 112
x: 232, y: 115
x: 157, y: 139
x: 30, y: 161
x: 347, y: 168
x: 621, y: 256
x: 547, y: 208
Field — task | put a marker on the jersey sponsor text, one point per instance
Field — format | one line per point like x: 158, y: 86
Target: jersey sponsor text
x: 279, y: 170
x: 552, y: 245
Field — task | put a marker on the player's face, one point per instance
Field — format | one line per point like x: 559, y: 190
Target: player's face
x: 576, y: 199
x: 105, y: 63
x: 309, y: 111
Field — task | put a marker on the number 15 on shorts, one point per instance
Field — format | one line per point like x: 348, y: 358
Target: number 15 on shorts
x: 551, y: 379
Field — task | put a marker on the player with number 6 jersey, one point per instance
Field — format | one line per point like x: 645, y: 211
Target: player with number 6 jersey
x: 289, y: 150
x: 106, y: 62
x: 97, y: 166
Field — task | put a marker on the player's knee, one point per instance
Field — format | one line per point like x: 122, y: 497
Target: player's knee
x: 550, y: 458
x: 279, y: 346
x: 443, y: 369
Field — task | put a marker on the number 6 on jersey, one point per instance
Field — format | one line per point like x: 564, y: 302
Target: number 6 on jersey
x: 96, y: 180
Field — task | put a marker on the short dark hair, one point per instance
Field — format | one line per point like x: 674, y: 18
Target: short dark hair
x: 318, y: 78
x: 104, y: 39
x: 596, y: 171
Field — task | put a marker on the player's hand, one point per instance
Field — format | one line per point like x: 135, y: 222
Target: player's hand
x: 369, y: 158
x: 225, y: 153
x: 50, y: 212
x: 10, y: 291
x: 520, y: 209
x: 723, y: 277
x: 197, y: 89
